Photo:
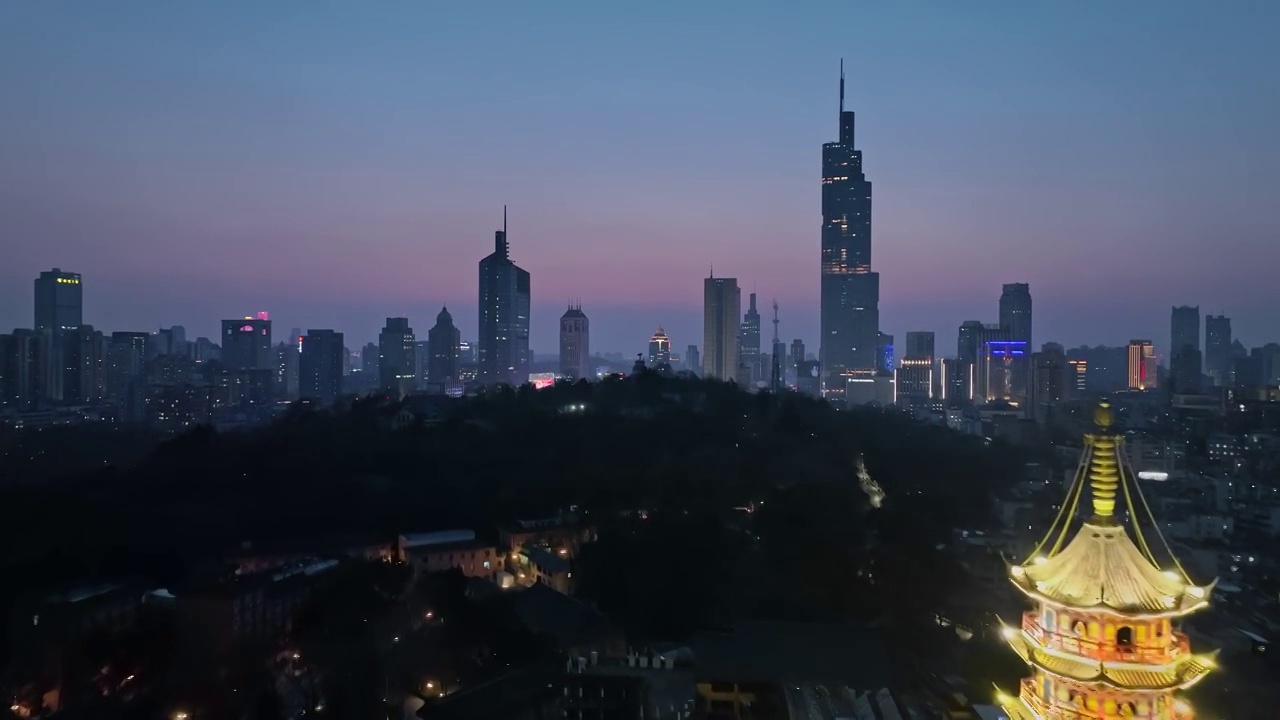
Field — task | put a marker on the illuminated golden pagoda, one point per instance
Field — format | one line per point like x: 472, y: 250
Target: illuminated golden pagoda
x: 1103, y: 640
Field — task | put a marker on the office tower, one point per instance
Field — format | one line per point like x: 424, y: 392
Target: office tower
x: 850, y: 291
x: 968, y: 340
x: 1107, y: 367
x: 1269, y: 363
x: 1247, y: 372
x: 693, y: 359
x: 884, y: 352
x: 659, y: 349
x: 721, y: 308
x: 504, y: 315
x: 797, y: 354
x: 246, y: 343
x: 1015, y: 311
x: 59, y: 300
x: 1015, y: 314
x: 444, y: 342
x: 913, y: 382
x: 320, y: 366
x: 286, y: 380
x: 1185, y: 366
x: 170, y: 341
x: 124, y: 376
x: 1217, y: 349
x: 1052, y: 379
x: 749, y: 372
x: 84, y: 351
x: 1142, y: 365
x: 575, y: 343
x: 919, y: 345
x: 1078, y: 376
x: 369, y: 360
x: 396, y: 357
x: 957, y: 385
x: 998, y: 356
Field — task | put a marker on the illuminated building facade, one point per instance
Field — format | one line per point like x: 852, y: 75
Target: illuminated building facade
x: 1142, y: 365
x: 850, y: 291
x: 721, y: 308
x: 1103, y: 641
x: 660, y: 348
x: 59, y: 300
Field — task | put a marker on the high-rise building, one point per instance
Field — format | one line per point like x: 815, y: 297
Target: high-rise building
x: 659, y: 349
x: 998, y: 356
x: 20, y: 370
x: 958, y: 386
x: 797, y: 355
x: 721, y: 308
x: 1104, y: 636
x: 1217, y: 349
x: 59, y: 300
x: 246, y: 343
x: 444, y: 341
x: 693, y: 359
x: 286, y: 381
x: 913, y: 382
x: 397, y: 348
x: 1015, y: 311
x: 320, y: 366
x: 1078, y: 376
x: 575, y: 343
x: 84, y: 363
x: 919, y: 345
x: 1269, y: 359
x: 124, y: 377
x: 1015, y: 314
x: 1185, y: 366
x: 777, y: 357
x: 749, y: 372
x: 504, y: 315
x: 969, y: 340
x: 1142, y: 365
x: 884, y: 352
x: 370, y: 364
x: 1051, y: 379
x: 850, y: 291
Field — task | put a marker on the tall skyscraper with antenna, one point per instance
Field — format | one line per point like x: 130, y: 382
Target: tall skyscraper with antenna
x: 777, y: 356
x: 504, y: 315
x: 850, y: 291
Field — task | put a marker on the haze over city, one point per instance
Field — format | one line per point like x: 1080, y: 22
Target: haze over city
x: 335, y: 166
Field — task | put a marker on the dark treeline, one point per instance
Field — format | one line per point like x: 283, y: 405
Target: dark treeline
x: 684, y: 452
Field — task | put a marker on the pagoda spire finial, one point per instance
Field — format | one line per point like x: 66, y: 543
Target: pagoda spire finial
x: 1104, y: 465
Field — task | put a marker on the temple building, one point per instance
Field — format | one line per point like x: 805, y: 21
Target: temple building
x: 1103, y: 640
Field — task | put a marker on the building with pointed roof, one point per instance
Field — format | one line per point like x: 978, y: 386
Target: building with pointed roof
x: 444, y: 341
x: 1103, y: 640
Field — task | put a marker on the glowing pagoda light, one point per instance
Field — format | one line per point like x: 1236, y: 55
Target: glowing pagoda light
x: 1103, y: 640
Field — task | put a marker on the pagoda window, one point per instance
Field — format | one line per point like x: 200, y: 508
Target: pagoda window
x: 1124, y: 636
x: 1079, y: 628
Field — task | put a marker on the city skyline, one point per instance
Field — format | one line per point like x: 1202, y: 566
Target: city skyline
x: 195, y: 214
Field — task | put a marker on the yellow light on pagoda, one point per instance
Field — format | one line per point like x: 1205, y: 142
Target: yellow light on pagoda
x: 1040, y: 560
x: 1172, y: 575
x: 1196, y: 592
x: 1018, y: 571
x: 1182, y: 707
x: 1008, y: 632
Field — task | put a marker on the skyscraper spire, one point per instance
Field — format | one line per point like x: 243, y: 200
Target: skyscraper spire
x: 842, y: 86
x: 504, y: 207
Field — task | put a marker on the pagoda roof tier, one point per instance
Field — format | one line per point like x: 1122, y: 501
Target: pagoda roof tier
x: 1102, y: 569
x: 1180, y: 673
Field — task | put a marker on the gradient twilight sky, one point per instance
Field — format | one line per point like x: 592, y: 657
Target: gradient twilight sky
x: 339, y: 162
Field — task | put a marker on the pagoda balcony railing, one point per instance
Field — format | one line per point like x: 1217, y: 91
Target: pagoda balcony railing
x: 1028, y: 694
x: 1104, y: 651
